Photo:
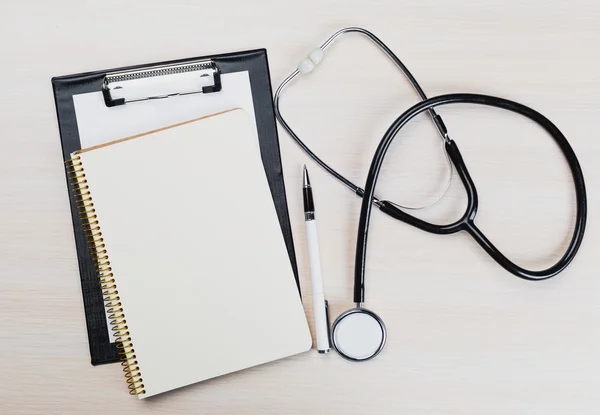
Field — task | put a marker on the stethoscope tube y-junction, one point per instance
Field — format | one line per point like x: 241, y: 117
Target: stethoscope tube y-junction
x: 467, y: 221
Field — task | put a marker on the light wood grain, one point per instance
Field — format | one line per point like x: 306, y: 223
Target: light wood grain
x: 465, y: 337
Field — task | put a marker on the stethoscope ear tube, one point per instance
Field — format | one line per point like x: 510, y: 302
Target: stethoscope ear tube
x: 436, y: 119
x: 467, y: 221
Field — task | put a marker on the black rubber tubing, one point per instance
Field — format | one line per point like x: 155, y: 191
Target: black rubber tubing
x: 466, y: 223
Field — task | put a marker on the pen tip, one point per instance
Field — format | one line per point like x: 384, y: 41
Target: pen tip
x: 305, y: 180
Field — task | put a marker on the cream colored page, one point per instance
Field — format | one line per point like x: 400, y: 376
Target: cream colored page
x: 197, y: 251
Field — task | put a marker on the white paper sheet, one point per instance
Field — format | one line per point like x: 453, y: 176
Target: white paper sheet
x: 99, y: 124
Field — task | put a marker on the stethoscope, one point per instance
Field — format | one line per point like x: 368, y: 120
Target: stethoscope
x: 359, y: 334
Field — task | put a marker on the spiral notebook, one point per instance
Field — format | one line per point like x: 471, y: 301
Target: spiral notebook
x: 193, y: 263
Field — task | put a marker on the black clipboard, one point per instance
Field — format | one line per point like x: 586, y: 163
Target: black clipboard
x: 102, y: 350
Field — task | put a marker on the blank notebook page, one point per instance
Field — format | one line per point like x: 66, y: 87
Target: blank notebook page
x: 196, y: 249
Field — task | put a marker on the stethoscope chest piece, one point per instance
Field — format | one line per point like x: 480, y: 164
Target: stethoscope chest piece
x: 358, y: 334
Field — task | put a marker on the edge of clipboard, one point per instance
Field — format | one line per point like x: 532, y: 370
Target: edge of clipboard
x: 83, y: 75
x: 106, y: 352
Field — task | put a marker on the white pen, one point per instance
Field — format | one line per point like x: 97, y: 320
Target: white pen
x: 320, y: 307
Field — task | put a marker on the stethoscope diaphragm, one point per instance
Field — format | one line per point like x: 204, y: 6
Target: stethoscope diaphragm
x: 358, y: 334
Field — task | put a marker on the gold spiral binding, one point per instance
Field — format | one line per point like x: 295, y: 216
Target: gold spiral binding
x: 91, y: 227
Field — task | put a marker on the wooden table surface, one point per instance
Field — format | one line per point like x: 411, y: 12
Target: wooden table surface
x: 465, y: 336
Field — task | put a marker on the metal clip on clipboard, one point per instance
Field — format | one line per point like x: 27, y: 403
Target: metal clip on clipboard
x: 161, y: 81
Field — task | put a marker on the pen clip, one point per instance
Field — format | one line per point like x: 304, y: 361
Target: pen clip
x: 328, y: 324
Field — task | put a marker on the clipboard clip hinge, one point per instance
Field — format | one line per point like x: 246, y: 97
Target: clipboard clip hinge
x: 161, y: 81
